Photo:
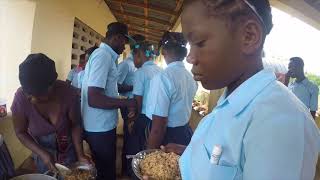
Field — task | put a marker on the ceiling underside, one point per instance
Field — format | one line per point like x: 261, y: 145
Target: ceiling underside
x: 314, y: 3
x: 150, y: 18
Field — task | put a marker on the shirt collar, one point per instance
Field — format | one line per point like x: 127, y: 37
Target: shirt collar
x: 176, y: 63
x: 303, y: 81
x: 247, y: 91
x: 148, y: 63
x: 106, y: 47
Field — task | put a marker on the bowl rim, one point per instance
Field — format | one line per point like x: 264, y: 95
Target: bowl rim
x: 148, y: 151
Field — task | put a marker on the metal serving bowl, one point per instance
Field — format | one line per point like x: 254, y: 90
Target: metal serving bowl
x: 138, y: 158
x: 35, y: 177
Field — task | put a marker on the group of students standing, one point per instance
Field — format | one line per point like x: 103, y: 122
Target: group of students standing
x: 156, y: 104
x: 261, y: 129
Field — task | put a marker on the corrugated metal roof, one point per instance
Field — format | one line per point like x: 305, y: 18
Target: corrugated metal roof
x: 314, y: 3
x: 150, y: 18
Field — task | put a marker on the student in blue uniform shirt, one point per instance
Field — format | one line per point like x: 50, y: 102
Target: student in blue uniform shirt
x: 87, y: 55
x: 259, y: 130
x: 73, y: 74
x: 74, y: 81
x: 143, y: 54
x: 100, y: 101
x: 171, y: 95
x: 304, y: 89
x: 126, y: 71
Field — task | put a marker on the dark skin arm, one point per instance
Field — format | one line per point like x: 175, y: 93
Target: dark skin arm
x: 123, y: 88
x: 20, y: 124
x: 175, y: 148
x: 74, y: 116
x: 139, y: 100
x: 97, y: 99
x: 158, y: 131
x: 133, y: 115
x: 313, y: 113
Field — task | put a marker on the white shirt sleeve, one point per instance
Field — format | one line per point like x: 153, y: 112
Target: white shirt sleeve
x: 274, y: 145
x: 159, y: 96
x: 139, y: 83
x: 99, y: 69
x: 123, y: 70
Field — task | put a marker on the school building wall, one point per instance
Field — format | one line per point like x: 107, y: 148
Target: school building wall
x: 33, y: 26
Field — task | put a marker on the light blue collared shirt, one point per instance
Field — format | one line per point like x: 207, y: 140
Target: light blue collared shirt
x: 126, y: 71
x: 142, y: 78
x: 307, y: 92
x: 265, y: 132
x: 171, y: 95
x: 71, y: 74
x: 75, y: 80
x: 80, y: 79
x: 101, y: 71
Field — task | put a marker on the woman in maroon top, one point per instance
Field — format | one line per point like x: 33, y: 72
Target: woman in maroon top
x: 46, y: 115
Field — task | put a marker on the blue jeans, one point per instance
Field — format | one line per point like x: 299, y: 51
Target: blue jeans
x: 49, y: 143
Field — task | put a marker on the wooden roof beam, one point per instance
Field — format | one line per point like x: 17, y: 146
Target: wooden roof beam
x: 146, y: 33
x: 122, y: 10
x: 159, y: 21
x: 143, y: 26
x: 178, y: 10
x: 146, y: 14
x: 142, y: 5
x: 147, y: 36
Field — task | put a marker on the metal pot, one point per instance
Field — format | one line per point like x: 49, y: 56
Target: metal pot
x: 36, y: 177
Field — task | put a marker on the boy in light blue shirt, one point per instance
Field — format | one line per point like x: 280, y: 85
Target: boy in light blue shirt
x: 304, y: 89
x: 100, y: 102
x: 259, y: 130
x: 171, y: 95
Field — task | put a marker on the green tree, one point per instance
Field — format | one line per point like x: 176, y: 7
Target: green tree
x: 313, y: 78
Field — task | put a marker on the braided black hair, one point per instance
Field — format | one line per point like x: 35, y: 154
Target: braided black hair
x: 234, y: 9
x: 145, y: 47
x: 175, y: 43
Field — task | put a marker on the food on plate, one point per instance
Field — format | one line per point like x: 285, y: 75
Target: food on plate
x: 79, y: 174
x: 161, y: 166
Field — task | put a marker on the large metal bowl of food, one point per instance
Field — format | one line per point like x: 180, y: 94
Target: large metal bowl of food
x: 35, y: 177
x: 156, y: 164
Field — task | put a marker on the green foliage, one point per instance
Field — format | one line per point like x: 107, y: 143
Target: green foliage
x: 313, y: 78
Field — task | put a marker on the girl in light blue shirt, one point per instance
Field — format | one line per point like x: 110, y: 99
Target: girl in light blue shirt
x: 171, y: 95
x: 143, y: 54
x: 259, y: 130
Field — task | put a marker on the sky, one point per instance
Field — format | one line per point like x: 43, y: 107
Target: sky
x: 292, y: 37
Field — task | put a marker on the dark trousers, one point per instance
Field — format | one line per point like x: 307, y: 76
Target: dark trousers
x: 103, y: 148
x: 137, y: 140
x: 125, y: 166
x: 178, y: 135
